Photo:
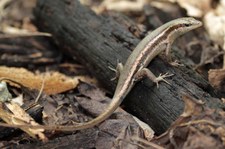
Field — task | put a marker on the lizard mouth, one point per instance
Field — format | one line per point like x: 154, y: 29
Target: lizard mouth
x: 197, y: 23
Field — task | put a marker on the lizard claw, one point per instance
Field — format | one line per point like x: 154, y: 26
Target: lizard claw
x: 114, y: 70
x: 162, y: 78
x: 118, y: 69
x: 114, y: 78
x: 176, y: 63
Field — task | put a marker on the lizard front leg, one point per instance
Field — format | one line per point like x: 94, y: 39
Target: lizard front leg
x: 169, y: 58
x: 147, y: 73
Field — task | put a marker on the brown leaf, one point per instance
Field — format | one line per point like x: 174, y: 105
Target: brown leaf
x: 217, y: 78
x: 119, y: 126
x: 20, y: 117
x: 195, y: 8
x: 197, y: 127
x: 54, y: 82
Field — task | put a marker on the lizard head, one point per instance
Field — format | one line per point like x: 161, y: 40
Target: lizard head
x: 183, y: 25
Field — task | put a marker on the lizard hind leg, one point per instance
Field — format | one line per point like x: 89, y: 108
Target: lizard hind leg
x: 147, y: 73
x: 118, y: 70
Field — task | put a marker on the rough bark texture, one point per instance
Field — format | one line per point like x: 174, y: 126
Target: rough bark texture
x: 99, y: 42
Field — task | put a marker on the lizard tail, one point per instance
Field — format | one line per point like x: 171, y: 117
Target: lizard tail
x: 115, y: 103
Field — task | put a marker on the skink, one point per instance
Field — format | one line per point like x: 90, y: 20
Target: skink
x: 134, y: 69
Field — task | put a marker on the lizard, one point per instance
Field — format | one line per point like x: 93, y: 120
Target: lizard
x: 159, y: 40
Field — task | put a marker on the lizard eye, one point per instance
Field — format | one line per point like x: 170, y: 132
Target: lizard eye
x: 187, y: 25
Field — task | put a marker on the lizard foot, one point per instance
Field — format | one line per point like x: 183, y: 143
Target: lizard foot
x: 162, y: 78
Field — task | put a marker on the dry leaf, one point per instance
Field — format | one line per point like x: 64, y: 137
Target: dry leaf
x: 195, y: 8
x: 124, y: 5
x: 20, y: 117
x: 217, y: 78
x: 197, y: 127
x: 215, y: 26
x: 120, y: 124
x: 214, y: 22
x: 54, y: 82
x: 148, y: 132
